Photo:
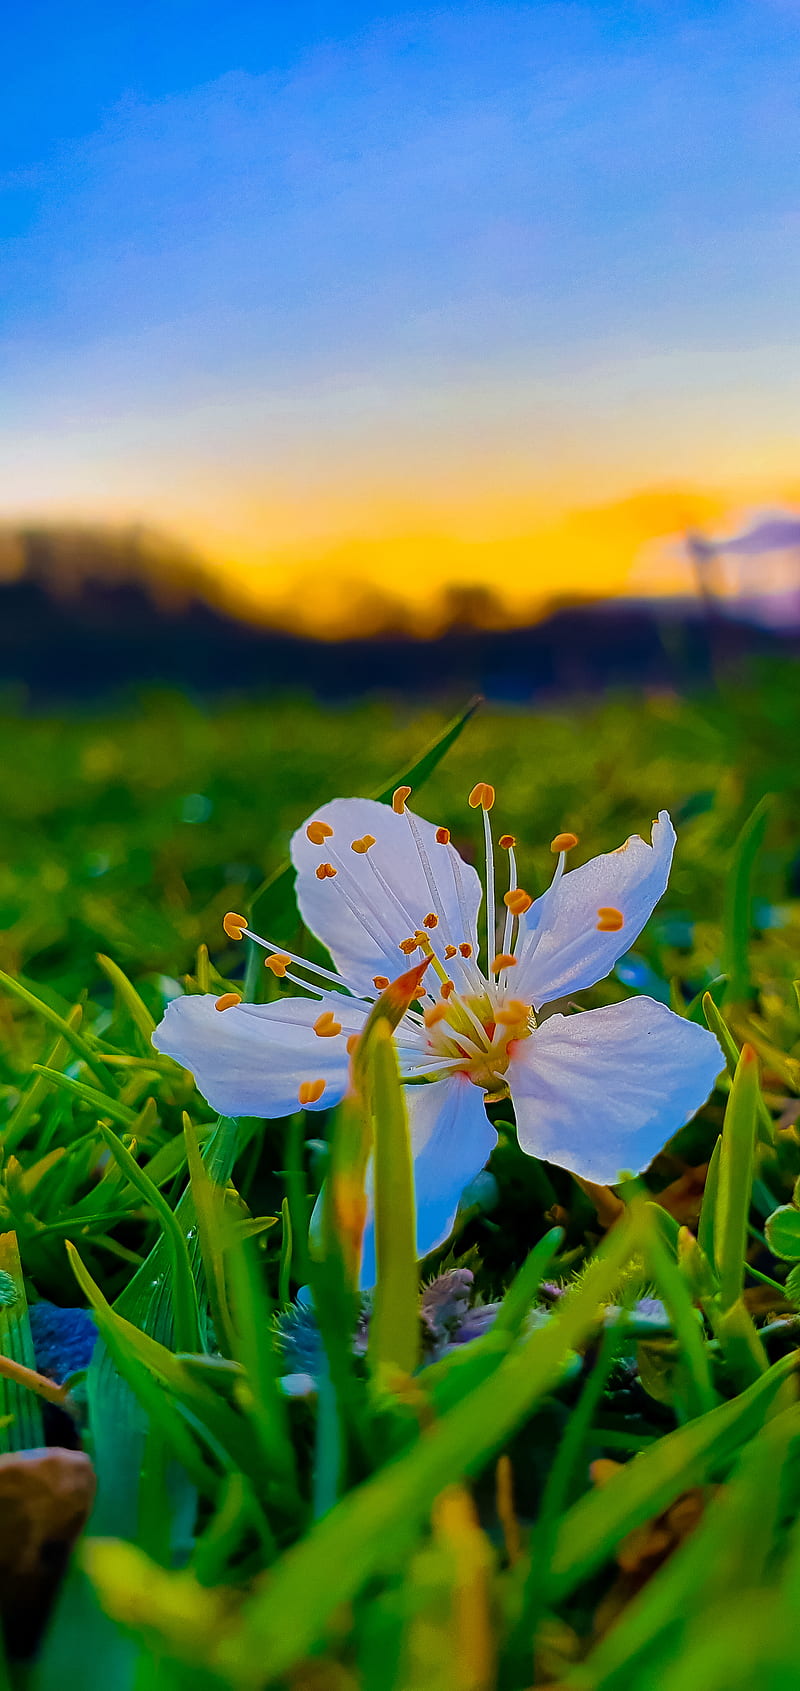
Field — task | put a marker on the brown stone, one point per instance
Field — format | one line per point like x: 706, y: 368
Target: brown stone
x: 45, y: 1500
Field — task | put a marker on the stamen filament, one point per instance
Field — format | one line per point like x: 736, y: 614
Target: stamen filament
x: 512, y: 883
x: 491, y: 919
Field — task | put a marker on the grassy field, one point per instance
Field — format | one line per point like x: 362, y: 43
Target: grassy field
x: 600, y: 1487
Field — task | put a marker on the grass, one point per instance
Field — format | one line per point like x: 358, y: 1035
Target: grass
x: 600, y: 1489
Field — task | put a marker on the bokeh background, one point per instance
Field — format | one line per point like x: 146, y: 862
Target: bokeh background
x: 359, y: 358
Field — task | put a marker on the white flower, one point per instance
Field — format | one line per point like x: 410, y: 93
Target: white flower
x: 596, y: 1092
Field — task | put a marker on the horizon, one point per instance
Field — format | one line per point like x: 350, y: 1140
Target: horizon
x: 421, y: 297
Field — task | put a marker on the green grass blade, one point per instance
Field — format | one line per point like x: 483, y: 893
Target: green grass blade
x: 672, y: 1286
x: 735, y: 1179
x: 717, y: 1025
x: 135, y: 1006
x: 369, y: 1528
x: 524, y: 1287
x: 187, y: 1319
x: 592, y: 1528
x: 738, y: 895
x: 25, y: 1430
x: 100, y: 1102
x: 394, y: 1334
x: 64, y: 1026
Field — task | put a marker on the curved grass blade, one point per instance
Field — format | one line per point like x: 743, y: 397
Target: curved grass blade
x: 738, y: 897
x: 394, y: 1333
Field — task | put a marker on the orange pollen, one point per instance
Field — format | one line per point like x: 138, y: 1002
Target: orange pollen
x: 512, y: 1012
x: 504, y: 960
x: 399, y: 797
x: 517, y: 901
x: 409, y: 945
x: 318, y: 832
x: 234, y: 925
x: 507, y: 841
x: 450, y: 951
x: 482, y: 794
x: 465, y: 949
x: 564, y: 842
x: 352, y: 1042
x: 360, y: 847
x: 325, y: 872
x: 447, y: 988
x: 431, y: 920
x: 443, y: 836
x: 310, y: 1091
x: 435, y: 1013
x: 227, y: 1001
x: 278, y: 963
x: 381, y: 982
x: 609, y: 920
x: 326, y: 1025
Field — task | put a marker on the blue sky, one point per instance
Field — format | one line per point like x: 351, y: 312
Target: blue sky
x: 279, y: 275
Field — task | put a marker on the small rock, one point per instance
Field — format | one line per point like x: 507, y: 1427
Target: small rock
x: 45, y: 1500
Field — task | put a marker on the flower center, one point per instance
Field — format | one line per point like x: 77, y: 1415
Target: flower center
x: 476, y: 1035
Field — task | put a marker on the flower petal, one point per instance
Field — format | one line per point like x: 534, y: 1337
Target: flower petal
x: 251, y: 1059
x: 565, y: 951
x: 451, y: 1138
x: 356, y: 917
x: 604, y: 1090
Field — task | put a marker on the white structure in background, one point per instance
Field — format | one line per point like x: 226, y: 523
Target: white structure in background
x: 753, y: 573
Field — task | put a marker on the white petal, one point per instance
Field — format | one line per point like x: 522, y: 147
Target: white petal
x: 604, y: 1090
x: 250, y: 1060
x: 353, y: 914
x: 451, y: 1138
x: 564, y: 951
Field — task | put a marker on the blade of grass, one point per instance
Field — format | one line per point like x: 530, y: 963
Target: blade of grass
x: 25, y: 1430
x: 370, y: 1528
x: 717, y: 1025
x: 184, y: 1290
x: 64, y: 1026
x: 738, y: 896
x: 135, y: 1006
x: 735, y: 1179
x: 394, y: 1333
x: 592, y: 1528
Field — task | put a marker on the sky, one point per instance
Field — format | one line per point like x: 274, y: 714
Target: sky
x: 351, y: 292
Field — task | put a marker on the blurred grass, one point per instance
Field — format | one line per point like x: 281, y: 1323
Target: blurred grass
x: 597, y: 1491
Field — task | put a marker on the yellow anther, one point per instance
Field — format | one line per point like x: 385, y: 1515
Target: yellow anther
x: 310, y: 1091
x: 517, y: 901
x: 450, y: 950
x: 513, y: 1012
x: 318, y: 832
x: 361, y: 847
x: 325, y: 872
x: 447, y: 988
x: 507, y: 841
x: 234, y: 925
x: 465, y: 948
x: 326, y: 1025
x: 435, y: 1013
x: 227, y: 1001
x: 609, y: 920
x: 482, y: 794
x: 443, y: 836
x: 399, y: 797
x: 353, y: 1040
x: 564, y: 842
x: 409, y: 945
x: 431, y: 920
x: 381, y: 982
x: 278, y: 962
x: 504, y: 960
